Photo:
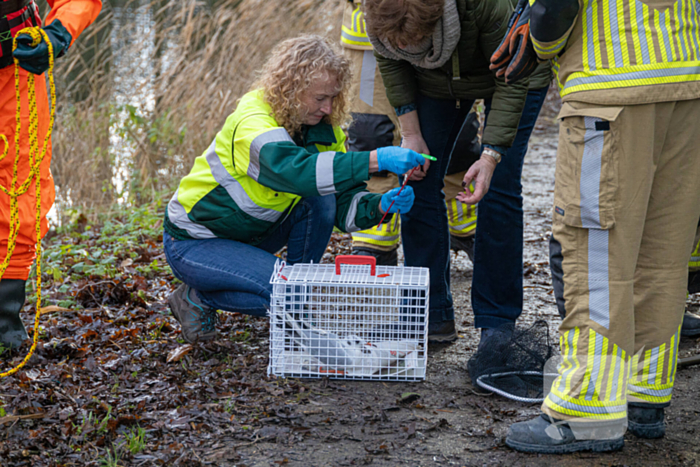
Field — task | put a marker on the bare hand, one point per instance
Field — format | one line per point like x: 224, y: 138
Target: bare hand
x: 417, y: 143
x: 480, y: 173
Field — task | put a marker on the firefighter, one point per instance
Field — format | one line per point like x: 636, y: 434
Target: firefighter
x: 375, y: 125
x: 276, y: 174
x: 625, y: 214
x: 64, y: 23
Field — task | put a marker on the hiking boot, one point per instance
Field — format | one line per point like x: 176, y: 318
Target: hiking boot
x: 12, y: 330
x: 493, y: 343
x: 442, y: 333
x: 384, y: 258
x: 549, y: 436
x: 645, y: 421
x: 493, y: 338
x: 691, y: 325
x: 465, y: 244
x: 198, y: 321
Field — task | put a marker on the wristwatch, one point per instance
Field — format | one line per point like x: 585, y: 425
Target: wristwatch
x: 495, y: 154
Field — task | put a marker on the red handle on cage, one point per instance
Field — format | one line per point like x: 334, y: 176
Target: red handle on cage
x: 356, y: 259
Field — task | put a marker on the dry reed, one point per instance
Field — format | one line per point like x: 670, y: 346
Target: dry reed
x: 146, y: 88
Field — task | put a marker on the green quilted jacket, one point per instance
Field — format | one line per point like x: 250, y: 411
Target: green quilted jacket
x: 484, y: 23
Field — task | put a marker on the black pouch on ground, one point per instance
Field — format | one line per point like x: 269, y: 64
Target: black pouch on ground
x: 513, y: 363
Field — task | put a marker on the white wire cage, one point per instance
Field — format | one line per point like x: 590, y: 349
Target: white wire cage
x: 351, y: 320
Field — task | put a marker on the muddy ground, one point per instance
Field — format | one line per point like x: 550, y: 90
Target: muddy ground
x: 112, y: 383
x: 452, y: 424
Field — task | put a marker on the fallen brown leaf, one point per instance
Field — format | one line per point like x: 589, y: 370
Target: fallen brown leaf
x: 12, y: 418
x: 53, y: 308
x: 176, y: 355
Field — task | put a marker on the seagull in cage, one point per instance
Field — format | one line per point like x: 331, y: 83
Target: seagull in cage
x: 349, y: 355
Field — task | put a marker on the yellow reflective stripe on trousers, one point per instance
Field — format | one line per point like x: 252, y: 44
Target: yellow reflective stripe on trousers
x: 385, y: 235
x: 461, y: 217
x: 651, y: 380
x: 695, y: 258
x: 599, y: 391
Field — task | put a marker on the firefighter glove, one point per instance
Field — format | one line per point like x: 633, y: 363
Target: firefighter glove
x: 36, y: 59
x: 398, y: 160
x: 402, y: 202
x: 515, y: 57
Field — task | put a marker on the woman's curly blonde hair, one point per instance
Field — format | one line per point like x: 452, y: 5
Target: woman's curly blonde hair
x: 293, y: 65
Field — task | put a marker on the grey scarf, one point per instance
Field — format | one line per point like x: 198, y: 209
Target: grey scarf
x: 433, y: 51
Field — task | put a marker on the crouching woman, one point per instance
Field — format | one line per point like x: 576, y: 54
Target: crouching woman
x: 276, y: 174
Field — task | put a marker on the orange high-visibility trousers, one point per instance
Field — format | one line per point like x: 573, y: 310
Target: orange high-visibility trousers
x: 23, y: 255
x: 75, y: 15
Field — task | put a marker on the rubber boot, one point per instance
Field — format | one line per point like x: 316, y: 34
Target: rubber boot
x: 12, y: 330
x: 645, y: 420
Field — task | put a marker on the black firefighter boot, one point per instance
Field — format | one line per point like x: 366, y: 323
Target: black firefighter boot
x: 546, y: 435
x: 691, y: 322
x: 12, y: 331
x: 646, y: 420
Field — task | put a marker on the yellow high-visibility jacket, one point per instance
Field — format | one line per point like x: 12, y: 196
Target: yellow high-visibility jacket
x: 620, y: 52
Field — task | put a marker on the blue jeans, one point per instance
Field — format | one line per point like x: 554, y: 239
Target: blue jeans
x: 424, y: 230
x: 234, y: 276
x: 497, y: 285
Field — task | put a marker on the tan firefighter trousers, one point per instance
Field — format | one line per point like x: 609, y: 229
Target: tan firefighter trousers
x: 624, y: 221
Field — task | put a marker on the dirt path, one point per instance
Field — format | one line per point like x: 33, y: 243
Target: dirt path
x: 349, y: 423
x: 112, y: 383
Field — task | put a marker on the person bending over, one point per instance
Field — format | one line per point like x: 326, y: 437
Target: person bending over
x: 276, y: 174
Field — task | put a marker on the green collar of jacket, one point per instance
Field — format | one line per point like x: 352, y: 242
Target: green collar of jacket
x: 321, y: 133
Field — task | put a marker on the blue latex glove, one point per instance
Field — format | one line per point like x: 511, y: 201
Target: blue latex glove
x: 36, y: 59
x: 398, y: 160
x: 402, y: 202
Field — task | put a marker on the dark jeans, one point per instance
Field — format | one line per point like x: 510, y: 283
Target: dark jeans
x: 497, y: 285
x: 234, y: 276
x: 424, y: 230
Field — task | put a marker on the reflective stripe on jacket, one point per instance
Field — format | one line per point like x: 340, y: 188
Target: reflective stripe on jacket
x: 242, y: 194
x: 625, y: 52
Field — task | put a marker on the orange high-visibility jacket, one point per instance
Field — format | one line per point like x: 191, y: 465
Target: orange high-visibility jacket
x: 75, y: 15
